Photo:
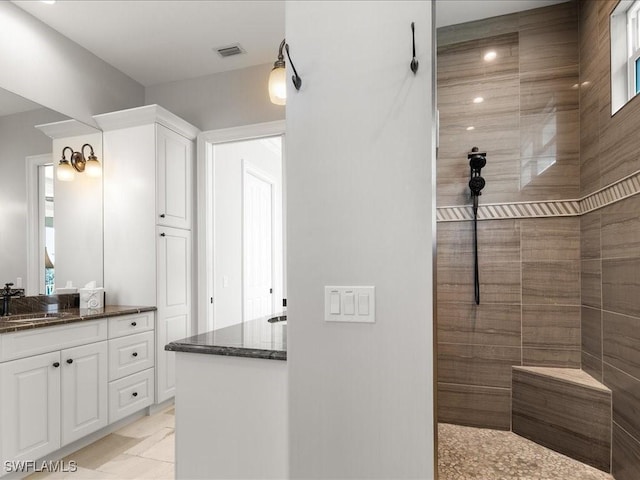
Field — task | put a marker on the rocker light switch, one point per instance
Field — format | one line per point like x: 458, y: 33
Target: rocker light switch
x: 350, y: 304
x: 335, y: 302
x: 363, y: 304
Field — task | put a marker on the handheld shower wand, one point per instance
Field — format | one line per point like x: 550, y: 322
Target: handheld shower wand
x: 477, y: 161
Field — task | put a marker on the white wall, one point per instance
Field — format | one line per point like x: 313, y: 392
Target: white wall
x: 18, y: 139
x: 44, y: 66
x: 227, y: 174
x: 360, y: 212
x: 228, y: 99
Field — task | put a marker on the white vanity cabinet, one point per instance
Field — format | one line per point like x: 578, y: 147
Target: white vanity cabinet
x: 149, y: 156
x: 30, y: 407
x: 84, y: 390
x: 131, y: 364
x: 51, y: 399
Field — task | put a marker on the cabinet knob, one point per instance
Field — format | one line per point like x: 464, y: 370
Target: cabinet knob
x: 134, y: 394
x: 56, y: 364
x: 134, y: 354
x: 133, y: 324
x: 70, y: 361
x: 163, y: 234
x: 162, y: 215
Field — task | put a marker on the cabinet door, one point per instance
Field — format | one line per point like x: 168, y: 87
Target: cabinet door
x: 174, y: 302
x: 175, y: 164
x: 84, y: 390
x: 30, y: 407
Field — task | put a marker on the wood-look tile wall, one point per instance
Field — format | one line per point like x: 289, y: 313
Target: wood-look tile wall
x: 609, y: 145
x: 558, y: 291
x: 610, y: 239
x: 529, y: 268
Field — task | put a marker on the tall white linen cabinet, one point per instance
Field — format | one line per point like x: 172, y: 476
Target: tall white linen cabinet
x: 149, y: 156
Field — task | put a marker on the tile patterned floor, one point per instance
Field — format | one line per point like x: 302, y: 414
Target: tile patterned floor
x: 143, y: 449
x: 467, y: 453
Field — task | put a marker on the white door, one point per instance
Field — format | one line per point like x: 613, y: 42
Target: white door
x: 174, y: 303
x: 30, y: 407
x: 84, y: 390
x: 258, y: 245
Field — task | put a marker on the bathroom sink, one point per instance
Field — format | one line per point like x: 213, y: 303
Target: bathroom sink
x: 33, y: 317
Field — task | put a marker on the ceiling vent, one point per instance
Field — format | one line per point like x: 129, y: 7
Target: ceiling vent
x: 230, y: 50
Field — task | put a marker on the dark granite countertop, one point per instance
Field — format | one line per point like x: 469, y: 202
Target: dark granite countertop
x: 257, y: 338
x: 14, y: 323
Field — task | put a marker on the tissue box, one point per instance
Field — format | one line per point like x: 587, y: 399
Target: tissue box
x: 92, y: 297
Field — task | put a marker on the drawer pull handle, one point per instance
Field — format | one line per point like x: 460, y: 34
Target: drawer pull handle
x: 56, y: 364
x: 135, y: 394
x: 135, y: 354
x: 162, y: 215
x: 133, y: 324
x: 70, y: 361
x: 163, y: 234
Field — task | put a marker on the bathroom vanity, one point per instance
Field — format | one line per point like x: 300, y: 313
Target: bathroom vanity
x: 66, y: 375
x: 231, y: 402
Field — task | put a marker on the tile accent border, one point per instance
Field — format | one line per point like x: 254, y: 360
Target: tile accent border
x: 613, y: 193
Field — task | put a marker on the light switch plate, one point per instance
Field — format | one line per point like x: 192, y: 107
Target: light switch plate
x: 357, y: 304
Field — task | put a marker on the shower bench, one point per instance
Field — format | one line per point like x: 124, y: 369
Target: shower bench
x: 564, y: 409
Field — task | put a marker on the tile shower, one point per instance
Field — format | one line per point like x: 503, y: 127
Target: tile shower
x: 560, y: 279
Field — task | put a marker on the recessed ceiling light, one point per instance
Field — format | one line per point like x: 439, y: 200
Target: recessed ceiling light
x: 478, y: 100
x: 471, y: 128
x: 48, y: 2
x: 491, y: 55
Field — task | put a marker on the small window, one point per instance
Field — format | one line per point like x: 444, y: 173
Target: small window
x: 625, y: 53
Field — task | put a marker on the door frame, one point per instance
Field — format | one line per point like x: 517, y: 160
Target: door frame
x: 205, y: 207
x: 35, y: 228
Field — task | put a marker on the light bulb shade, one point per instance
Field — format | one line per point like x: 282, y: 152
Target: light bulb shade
x: 65, y: 172
x: 278, y: 86
x: 93, y: 167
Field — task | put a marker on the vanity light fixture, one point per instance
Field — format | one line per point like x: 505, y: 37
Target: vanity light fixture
x: 278, y: 77
x: 77, y: 162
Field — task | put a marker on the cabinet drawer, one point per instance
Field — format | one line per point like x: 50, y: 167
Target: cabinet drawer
x: 130, y: 354
x: 128, y: 324
x: 130, y: 394
x: 26, y: 343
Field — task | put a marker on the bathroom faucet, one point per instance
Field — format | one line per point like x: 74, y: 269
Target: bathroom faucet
x: 7, y: 293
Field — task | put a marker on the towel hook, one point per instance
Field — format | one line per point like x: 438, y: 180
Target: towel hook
x: 414, y: 62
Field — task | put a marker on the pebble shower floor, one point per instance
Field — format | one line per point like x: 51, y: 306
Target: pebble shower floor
x: 467, y: 453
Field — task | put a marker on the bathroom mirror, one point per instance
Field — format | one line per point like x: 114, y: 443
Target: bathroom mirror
x: 47, y: 237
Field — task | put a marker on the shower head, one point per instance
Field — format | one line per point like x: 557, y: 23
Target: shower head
x: 477, y: 160
x: 476, y: 184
